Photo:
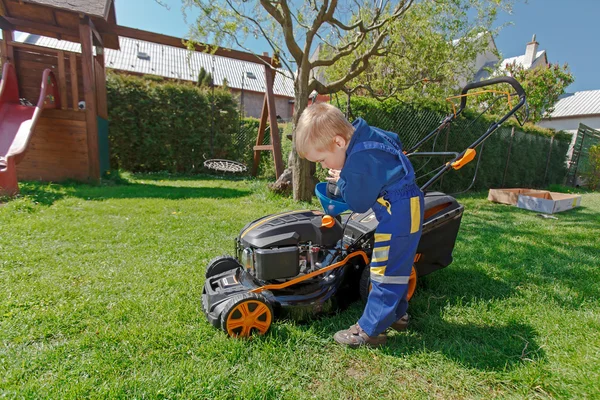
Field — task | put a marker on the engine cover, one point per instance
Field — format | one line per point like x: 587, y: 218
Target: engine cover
x: 289, y: 229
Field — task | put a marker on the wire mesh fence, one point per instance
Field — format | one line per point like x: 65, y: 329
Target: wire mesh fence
x: 510, y: 157
x: 579, y: 164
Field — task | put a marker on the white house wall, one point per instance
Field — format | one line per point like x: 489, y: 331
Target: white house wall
x: 571, y: 124
x: 253, y: 103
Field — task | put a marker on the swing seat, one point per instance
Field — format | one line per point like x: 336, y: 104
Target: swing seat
x: 225, y: 166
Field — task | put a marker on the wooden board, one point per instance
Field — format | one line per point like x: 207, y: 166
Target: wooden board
x: 30, y: 64
x: 58, y: 148
x: 56, y: 22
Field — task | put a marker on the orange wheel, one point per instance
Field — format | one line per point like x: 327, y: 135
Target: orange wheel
x: 366, y: 286
x: 245, y: 314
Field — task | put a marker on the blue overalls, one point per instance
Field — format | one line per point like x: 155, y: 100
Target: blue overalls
x: 399, y: 210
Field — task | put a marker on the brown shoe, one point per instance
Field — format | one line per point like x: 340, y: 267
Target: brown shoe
x: 355, y: 337
x: 401, y: 324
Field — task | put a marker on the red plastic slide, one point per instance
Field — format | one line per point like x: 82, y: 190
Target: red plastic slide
x: 17, y: 123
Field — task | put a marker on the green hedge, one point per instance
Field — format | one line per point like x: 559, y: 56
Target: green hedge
x: 528, y: 155
x: 158, y: 126
x: 174, y: 127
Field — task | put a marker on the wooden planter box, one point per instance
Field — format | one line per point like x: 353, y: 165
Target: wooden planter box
x: 510, y: 196
x: 535, y: 200
x: 548, y: 203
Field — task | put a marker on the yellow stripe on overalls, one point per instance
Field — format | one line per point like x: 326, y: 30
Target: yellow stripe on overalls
x: 386, y: 204
x: 415, y: 214
x: 383, y: 237
x: 378, y: 270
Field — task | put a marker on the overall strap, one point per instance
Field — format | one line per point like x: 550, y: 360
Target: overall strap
x: 393, y: 149
x: 375, y: 146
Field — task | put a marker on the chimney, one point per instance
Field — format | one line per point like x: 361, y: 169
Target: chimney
x: 530, y: 52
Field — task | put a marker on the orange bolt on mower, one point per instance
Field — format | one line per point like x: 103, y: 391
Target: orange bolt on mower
x: 308, y: 262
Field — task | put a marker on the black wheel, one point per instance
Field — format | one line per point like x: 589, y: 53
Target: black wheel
x: 364, y: 286
x: 245, y: 314
x: 221, y: 264
x: 365, y: 283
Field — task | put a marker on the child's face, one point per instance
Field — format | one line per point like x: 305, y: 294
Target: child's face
x: 332, y: 158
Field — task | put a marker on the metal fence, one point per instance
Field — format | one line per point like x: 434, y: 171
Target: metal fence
x: 509, y: 157
x: 579, y: 162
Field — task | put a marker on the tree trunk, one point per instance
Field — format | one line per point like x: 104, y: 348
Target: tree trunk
x: 301, y: 170
x: 303, y: 184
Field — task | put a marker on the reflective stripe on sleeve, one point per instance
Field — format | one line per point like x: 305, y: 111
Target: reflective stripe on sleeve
x: 396, y: 280
x: 380, y: 254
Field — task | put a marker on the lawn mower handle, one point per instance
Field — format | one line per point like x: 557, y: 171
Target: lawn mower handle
x: 476, y: 85
x: 463, y: 103
x: 458, y: 160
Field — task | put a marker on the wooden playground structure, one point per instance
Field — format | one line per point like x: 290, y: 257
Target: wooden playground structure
x: 69, y: 139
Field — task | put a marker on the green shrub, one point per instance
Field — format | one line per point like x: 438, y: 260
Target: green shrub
x: 163, y: 126
x: 593, y: 172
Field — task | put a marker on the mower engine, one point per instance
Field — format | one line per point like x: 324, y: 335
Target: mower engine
x: 283, y: 246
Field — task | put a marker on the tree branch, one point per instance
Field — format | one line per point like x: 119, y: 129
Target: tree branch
x: 340, y: 54
x: 325, y: 14
x: 276, y: 49
x: 286, y: 25
x: 358, y: 66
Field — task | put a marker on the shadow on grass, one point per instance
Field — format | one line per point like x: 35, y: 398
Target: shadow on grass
x: 497, y: 347
x: 225, y: 176
x: 47, y: 194
x: 503, y: 253
x: 539, y: 257
x: 484, y: 347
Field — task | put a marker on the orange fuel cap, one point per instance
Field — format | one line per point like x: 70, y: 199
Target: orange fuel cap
x: 328, y: 221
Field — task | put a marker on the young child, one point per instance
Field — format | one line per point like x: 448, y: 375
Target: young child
x: 371, y: 172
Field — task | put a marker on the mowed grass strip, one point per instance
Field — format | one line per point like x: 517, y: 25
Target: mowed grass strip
x: 100, y: 297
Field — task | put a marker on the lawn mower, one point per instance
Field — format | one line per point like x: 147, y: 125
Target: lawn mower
x: 308, y: 262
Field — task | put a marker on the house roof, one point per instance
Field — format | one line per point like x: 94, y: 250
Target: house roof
x: 97, y: 8
x: 499, y: 68
x: 142, y: 57
x: 484, y: 71
x: 579, y: 103
x: 520, y: 60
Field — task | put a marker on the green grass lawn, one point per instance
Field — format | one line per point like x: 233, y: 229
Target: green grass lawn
x: 100, y: 297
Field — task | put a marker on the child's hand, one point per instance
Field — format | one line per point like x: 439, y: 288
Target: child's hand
x: 334, y: 175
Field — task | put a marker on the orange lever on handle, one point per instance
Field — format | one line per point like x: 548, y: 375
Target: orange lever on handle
x: 465, y: 159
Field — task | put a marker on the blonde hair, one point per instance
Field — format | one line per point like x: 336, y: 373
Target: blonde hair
x: 318, y: 125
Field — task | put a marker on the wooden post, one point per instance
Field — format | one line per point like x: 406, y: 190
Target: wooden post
x: 101, y: 83
x: 8, y: 52
x: 62, y: 80
x: 512, y: 135
x: 3, y: 52
x: 275, y: 139
x: 260, y: 137
x: 89, y: 93
x: 74, y: 81
x: 269, y: 110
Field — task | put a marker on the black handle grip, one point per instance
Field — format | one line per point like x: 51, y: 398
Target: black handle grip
x: 503, y: 79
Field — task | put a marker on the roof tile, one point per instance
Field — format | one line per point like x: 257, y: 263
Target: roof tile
x: 96, y: 8
x: 177, y: 63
